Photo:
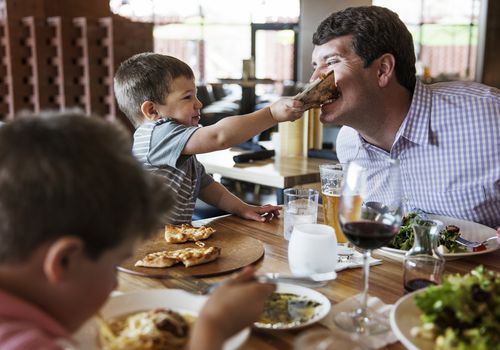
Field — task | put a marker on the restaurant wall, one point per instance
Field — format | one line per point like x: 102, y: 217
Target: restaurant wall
x: 491, y: 63
x: 312, y: 12
x: 64, y: 56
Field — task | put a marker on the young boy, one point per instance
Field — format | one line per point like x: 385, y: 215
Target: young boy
x: 73, y: 202
x: 158, y: 94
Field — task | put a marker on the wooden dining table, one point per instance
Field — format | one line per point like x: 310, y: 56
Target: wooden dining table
x: 277, y: 172
x: 386, y: 279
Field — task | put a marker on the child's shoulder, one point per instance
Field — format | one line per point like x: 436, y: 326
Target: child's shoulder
x: 28, y: 326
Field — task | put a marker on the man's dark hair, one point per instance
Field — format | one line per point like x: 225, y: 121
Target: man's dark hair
x: 66, y: 174
x: 375, y: 31
x: 146, y: 77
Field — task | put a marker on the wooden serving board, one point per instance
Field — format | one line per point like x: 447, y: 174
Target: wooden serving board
x: 237, y: 250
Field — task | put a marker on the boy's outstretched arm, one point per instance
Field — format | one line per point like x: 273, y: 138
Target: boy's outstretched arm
x: 232, y: 131
x: 217, y: 195
x: 233, y: 306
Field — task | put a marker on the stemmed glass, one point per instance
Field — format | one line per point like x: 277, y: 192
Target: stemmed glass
x: 370, y: 214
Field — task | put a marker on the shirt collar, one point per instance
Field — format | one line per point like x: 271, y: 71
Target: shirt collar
x: 15, y: 308
x: 416, y: 125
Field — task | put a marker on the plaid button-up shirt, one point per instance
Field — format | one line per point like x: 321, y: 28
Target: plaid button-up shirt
x: 449, y: 150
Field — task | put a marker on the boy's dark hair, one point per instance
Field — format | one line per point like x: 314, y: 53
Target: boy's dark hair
x: 146, y: 77
x: 65, y: 174
x: 375, y: 31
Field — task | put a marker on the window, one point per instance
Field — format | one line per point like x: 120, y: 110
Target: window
x: 214, y: 36
x: 445, y: 34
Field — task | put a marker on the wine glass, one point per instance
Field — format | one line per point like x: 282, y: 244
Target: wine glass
x: 370, y: 214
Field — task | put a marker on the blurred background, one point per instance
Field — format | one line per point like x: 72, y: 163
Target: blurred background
x: 245, y: 54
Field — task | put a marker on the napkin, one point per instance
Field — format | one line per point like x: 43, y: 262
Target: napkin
x: 356, y: 261
x: 366, y: 341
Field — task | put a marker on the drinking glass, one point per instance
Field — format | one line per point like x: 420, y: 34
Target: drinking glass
x: 331, y: 176
x: 370, y: 214
x: 300, y: 207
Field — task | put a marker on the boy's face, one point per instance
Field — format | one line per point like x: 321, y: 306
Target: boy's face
x: 95, y: 280
x: 181, y: 104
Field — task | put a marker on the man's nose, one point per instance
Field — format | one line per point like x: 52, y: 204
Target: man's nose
x: 315, y: 75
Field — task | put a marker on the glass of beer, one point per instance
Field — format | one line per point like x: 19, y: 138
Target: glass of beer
x: 331, y: 186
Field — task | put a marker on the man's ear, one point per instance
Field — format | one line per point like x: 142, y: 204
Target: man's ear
x: 149, y: 111
x: 62, y: 257
x: 386, y: 69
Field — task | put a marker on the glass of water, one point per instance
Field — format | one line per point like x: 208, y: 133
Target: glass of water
x: 300, y: 207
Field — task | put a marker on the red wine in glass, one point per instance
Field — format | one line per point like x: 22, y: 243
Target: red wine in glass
x: 418, y: 283
x: 369, y: 234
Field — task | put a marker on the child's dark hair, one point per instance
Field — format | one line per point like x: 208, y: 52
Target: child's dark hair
x: 146, y: 77
x: 66, y: 174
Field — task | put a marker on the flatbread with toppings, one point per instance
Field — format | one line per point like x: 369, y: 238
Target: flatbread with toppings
x: 319, y: 91
x: 187, y: 256
x: 187, y: 233
x: 157, y: 259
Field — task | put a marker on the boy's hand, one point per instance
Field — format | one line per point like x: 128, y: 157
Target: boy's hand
x: 234, y: 305
x: 263, y: 213
x: 287, y: 109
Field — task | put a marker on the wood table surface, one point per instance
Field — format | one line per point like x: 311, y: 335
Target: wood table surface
x: 277, y: 172
x: 385, y: 279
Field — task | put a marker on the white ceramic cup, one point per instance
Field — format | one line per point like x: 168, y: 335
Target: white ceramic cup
x: 312, y: 249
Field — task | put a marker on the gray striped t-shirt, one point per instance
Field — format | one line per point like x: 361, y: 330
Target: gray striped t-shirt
x: 158, y: 146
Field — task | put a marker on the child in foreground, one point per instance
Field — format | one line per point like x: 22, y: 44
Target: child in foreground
x: 73, y: 203
x: 158, y: 95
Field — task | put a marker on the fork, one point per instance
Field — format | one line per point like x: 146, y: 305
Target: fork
x: 475, y: 246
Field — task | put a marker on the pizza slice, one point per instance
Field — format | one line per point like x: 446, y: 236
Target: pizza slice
x: 196, y: 256
x: 157, y: 259
x: 319, y: 91
x: 187, y: 256
x: 186, y: 232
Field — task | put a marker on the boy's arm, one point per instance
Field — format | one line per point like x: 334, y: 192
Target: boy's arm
x: 217, y: 195
x: 234, y: 130
x: 234, y: 305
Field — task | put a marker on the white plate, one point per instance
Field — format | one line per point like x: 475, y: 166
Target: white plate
x: 404, y: 316
x: 125, y: 303
x: 321, y: 311
x: 469, y: 230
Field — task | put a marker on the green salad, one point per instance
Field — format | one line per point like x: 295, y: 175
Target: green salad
x: 404, y: 239
x: 463, y: 313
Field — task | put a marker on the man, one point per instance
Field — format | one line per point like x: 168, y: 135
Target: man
x: 445, y: 135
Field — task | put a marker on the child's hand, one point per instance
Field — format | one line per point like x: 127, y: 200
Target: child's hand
x: 287, y: 109
x: 263, y: 213
x: 234, y: 305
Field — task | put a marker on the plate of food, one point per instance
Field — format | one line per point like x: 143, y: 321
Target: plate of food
x: 136, y: 320
x: 458, y: 314
x: 453, y: 228
x: 292, y: 307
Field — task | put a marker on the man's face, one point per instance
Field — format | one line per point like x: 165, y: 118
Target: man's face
x: 354, y: 82
x: 181, y: 103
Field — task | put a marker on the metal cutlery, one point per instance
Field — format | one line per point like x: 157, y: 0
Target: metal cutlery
x: 198, y: 286
x: 474, y: 246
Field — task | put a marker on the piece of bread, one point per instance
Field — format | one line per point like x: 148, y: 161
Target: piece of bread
x: 185, y: 233
x: 319, y: 91
x: 157, y: 259
x: 187, y: 256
